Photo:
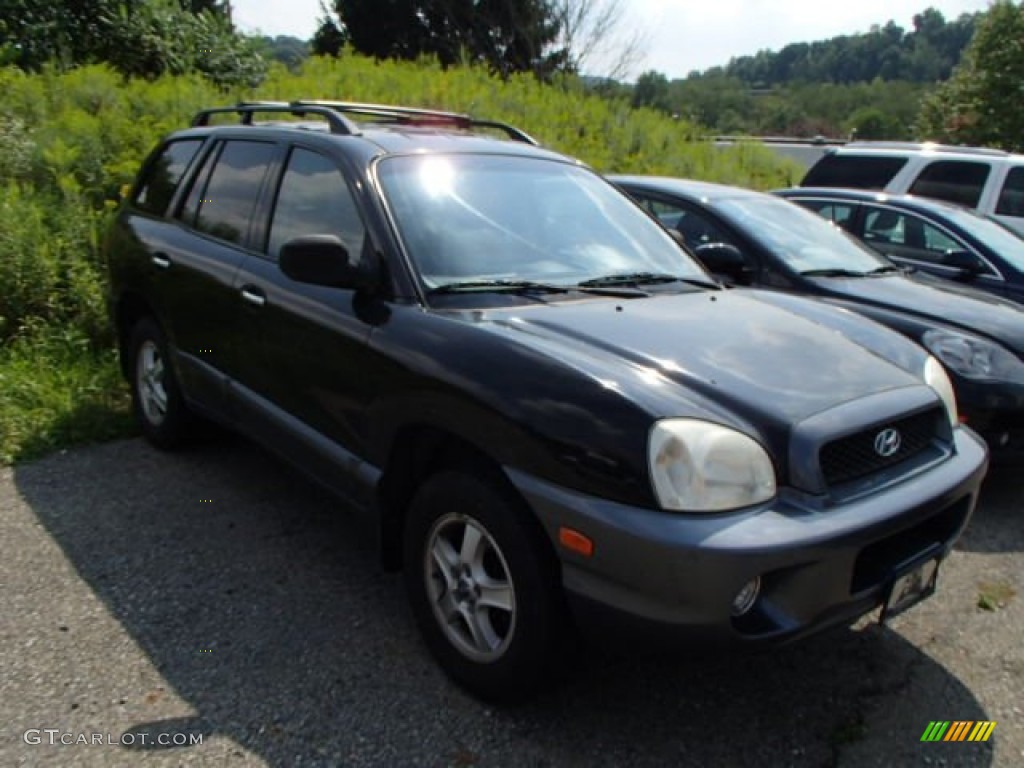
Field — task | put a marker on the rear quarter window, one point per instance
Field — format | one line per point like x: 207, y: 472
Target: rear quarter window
x: 163, y: 175
x: 1011, y: 199
x: 955, y: 181
x: 857, y: 171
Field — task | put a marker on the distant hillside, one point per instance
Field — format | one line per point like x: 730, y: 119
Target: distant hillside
x: 924, y: 54
x: 867, y: 85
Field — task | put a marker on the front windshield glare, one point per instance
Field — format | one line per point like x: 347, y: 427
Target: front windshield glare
x: 483, y: 217
x: 802, y: 239
x: 995, y: 235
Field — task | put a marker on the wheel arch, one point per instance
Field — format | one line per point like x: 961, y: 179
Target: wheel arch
x: 417, y: 452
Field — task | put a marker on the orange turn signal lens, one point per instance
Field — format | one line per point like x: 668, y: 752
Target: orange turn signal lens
x: 575, y: 542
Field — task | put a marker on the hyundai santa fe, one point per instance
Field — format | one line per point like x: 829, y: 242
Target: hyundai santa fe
x: 554, y: 416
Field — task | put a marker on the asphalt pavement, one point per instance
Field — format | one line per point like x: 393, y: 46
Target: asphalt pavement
x: 217, y: 595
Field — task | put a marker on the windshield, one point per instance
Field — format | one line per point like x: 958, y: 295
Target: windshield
x: 466, y: 218
x: 996, y: 236
x: 803, y: 240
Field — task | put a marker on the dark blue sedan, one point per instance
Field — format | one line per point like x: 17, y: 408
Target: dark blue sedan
x: 936, y: 237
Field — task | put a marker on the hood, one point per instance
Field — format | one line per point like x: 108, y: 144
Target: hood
x: 766, y: 359
x: 935, y: 301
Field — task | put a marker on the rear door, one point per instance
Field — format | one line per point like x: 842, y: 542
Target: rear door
x: 200, y: 258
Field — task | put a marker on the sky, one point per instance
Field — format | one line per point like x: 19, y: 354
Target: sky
x: 682, y: 35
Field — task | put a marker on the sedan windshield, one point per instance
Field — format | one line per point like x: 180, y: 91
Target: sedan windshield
x: 477, y: 218
x: 801, y: 239
x: 999, y: 238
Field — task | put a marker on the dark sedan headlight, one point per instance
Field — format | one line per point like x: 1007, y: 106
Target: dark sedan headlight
x: 697, y: 466
x: 974, y: 357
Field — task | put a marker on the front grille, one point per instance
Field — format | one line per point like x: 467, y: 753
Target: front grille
x: 854, y: 456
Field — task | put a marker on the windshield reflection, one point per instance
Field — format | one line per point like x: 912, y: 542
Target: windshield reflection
x: 491, y: 217
x: 994, y: 234
x: 802, y: 239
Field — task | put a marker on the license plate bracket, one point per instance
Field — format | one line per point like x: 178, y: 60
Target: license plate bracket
x: 910, y: 585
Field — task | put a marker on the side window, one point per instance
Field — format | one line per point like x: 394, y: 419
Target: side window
x: 937, y: 241
x: 695, y: 227
x: 884, y: 227
x: 162, y: 177
x: 1011, y: 199
x: 223, y: 205
x: 837, y: 213
x: 314, y: 200
x: 857, y: 171
x: 954, y: 180
x: 668, y: 215
x: 909, y: 236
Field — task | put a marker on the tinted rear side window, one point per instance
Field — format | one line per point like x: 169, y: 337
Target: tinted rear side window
x: 226, y: 204
x: 857, y: 171
x: 1011, y: 199
x: 953, y: 180
x: 163, y: 175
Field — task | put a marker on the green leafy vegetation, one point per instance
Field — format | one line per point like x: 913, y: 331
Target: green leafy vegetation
x: 980, y: 103
x: 147, y: 38
x: 70, y: 140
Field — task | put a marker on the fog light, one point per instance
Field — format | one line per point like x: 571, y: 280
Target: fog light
x: 746, y: 597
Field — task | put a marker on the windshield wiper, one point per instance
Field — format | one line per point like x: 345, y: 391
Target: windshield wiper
x: 887, y: 269
x: 513, y: 286
x: 531, y: 286
x: 832, y: 273
x: 645, y: 278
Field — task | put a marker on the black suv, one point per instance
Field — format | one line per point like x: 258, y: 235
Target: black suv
x: 553, y: 414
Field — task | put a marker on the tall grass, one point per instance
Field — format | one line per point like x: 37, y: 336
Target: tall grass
x: 70, y: 141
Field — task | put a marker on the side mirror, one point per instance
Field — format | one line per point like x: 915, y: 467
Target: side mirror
x: 964, y: 261
x: 324, y: 260
x: 724, y: 259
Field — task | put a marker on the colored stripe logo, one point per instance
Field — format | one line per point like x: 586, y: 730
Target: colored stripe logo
x: 958, y: 730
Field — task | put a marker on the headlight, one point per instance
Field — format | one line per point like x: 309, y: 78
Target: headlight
x: 973, y: 357
x: 937, y: 378
x: 697, y: 466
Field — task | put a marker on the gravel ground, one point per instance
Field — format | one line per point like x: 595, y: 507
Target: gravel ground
x: 217, y: 593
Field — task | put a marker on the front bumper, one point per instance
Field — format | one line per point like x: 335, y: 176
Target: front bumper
x: 678, y: 574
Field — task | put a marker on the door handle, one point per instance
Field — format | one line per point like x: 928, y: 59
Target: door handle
x: 254, y: 296
x: 161, y: 260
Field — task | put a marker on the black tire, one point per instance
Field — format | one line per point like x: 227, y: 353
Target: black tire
x: 175, y: 428
x: 532, y: 641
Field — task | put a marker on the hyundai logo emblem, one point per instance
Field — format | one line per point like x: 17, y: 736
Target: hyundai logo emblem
x: 887, y: 442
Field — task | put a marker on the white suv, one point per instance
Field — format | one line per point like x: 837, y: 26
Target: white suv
x: 989, y: 180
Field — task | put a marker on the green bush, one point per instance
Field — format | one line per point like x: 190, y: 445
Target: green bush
x: 56, y: 391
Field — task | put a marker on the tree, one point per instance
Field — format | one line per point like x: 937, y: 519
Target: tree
x: 506, y: 35
x: 37, y: 31
x: 540, y: 36
x: 652, y: 90
x: 589, y: 37
x: 143, y: 38
x: 981, y: 103
x: 329, y: 38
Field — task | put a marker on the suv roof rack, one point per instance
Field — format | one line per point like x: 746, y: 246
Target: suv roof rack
x: 335, y: 111
x: 245, y: 109
x: 928, y: 146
